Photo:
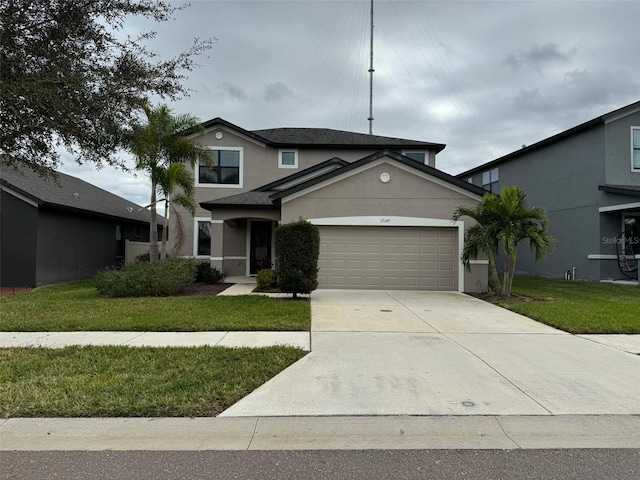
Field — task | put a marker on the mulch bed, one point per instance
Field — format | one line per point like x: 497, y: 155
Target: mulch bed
x: 6, y: 291
x: 204, y: 289
x: 493, y: 298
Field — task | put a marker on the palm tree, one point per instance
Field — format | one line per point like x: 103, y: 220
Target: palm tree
x: 157, y: 145
x: 481, y: 238
x: 168, y: 179
x: 505, y: 220
x: 518, y: 222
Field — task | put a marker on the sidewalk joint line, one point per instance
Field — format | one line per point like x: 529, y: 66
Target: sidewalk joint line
x: 497, y: 419
x: 253, y: 434
x: 499, y: 373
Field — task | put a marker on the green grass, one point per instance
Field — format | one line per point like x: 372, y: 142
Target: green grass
x: 578, y: 306
x: 127, y: 381
x: 77, y: 306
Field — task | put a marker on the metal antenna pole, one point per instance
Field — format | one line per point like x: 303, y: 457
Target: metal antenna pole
x: 371, y: 77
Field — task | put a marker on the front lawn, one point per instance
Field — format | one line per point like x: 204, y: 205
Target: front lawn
x: 133, y: 381
x: 77, y: 306
x: 577, y: 306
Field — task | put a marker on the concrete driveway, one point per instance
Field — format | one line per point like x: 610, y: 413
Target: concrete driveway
x: 431, y: 353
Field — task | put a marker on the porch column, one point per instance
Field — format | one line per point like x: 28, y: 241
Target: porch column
x: 217, y: 244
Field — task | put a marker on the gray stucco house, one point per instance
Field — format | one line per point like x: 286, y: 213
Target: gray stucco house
x: 587, y: 178
x: 383, y: 209
x: 52, y: 233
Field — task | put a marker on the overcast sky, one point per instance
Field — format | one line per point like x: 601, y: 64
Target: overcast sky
x: 482, y: 77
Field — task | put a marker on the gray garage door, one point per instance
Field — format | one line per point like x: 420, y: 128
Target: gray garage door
x: 424, y: 258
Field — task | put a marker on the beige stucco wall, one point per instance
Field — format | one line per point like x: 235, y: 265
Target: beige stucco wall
x: 408, y: 193
x: 476, y: 278
x: 363, y: 194
x: 259, y: 167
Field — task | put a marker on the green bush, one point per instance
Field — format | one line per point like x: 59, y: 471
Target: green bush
x: 297, y: 250
x: 208, y: 274
x: 147, y: 279
x: 264, y: 279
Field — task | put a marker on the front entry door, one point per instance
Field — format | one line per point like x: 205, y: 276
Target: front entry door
x: 260, y: 246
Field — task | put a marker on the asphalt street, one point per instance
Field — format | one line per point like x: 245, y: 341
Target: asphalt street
x: 315, y: 465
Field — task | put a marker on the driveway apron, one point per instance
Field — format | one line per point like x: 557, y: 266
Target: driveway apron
x: 442, y: 353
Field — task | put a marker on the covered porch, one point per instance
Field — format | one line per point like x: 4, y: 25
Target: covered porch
x: 241, y: 234
x: 620, y: 242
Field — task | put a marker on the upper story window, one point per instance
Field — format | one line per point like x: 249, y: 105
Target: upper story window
x: 288, y: 158
x: 420, y: 157
x: 491, y: 180
x: 635, y: 148
x: 469, y: 179
x: 224, y: 169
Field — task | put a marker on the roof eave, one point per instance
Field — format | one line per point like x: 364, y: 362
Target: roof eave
x: 384, y: 153
x: 236, y: 206
x: 619, y: 190
x: 542, y: 143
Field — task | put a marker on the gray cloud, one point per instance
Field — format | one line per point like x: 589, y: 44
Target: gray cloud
x: 535, y: 55
x: 276, y: 92
x: 460, y: 76
x: 233, y: 92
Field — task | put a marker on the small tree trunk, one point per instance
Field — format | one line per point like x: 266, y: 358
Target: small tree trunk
x: 507, y: 272
x: 153, y: 227
x: 513, y: 269
x: 494, y: 271
x: 165, y: 228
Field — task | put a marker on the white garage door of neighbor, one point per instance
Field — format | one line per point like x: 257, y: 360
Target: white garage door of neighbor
x: 423, y: 258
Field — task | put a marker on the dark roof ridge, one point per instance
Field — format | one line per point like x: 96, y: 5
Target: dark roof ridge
x: 549, y: 140
x: 301, y: 173
x: 370, y: 158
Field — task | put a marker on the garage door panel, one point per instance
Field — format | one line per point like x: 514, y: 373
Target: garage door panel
x: 388, y: 257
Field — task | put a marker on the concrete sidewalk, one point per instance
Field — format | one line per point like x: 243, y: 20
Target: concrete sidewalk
x: 319, y: 433
x: 388, y: 370
x: 156, y: 339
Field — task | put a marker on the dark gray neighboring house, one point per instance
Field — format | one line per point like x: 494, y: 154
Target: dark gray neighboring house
x: 588, y: 180
x: 56, y: 233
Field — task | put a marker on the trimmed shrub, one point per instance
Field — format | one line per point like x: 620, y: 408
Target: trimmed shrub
x: 208, y: 274
x: 147, y: 279
x: 297, y: 250
x: 264, y: 279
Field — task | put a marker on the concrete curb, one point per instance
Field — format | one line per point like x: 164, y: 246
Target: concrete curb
x: 321, y: 433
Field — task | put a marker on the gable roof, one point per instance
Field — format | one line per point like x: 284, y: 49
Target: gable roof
x: 268, y: 197
x: 434, y: 172
x: 322, y: 138
x: 261, y: 196
x: 628, y: 109
x: 72, y: 194
x: 331, y: 164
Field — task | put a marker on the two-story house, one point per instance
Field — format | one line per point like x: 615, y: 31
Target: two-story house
x: 383, y: 209
x: 587, y: 178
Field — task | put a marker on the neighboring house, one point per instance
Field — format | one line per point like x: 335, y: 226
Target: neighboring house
x: 383, y: 209
x: 587, y: 178
x: 52, y: 233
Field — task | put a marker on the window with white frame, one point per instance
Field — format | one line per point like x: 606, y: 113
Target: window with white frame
x: 202, y: 237
x: 288, y: 158
x: 420, y: 157
x: 223, y: 169
x: 635, y: 148
x: 491, y: 180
